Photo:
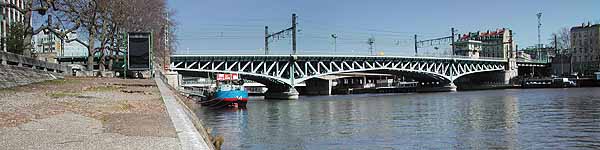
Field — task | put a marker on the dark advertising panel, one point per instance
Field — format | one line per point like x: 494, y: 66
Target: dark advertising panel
x: 139, y: 51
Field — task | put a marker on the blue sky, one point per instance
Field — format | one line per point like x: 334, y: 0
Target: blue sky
x: 237, y: 26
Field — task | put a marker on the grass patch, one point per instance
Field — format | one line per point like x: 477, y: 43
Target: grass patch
x: 103, y: 118
x: 125, y: 105
x: 103, y: 89
x: 8, y: 90
x: 62, y: 94
x: 59, y: 82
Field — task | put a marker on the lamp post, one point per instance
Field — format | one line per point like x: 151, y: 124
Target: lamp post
x: 334, y: 36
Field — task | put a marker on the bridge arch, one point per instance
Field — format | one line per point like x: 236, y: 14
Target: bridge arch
x: 432, y: 74
x: 266, y: 80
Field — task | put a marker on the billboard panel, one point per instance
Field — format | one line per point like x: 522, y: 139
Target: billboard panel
x: 138, y: 55
x: 227, y: 77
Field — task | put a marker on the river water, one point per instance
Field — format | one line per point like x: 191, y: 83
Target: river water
x: 493, y: 119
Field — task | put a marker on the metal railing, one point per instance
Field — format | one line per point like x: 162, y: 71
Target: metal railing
x: 327, y: 53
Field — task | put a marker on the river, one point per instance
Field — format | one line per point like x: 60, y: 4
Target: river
x: 492, y: 119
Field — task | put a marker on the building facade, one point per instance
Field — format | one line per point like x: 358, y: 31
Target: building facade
x: 45, y: 43
x: 469, y: 48
x: 497, y: 44
x: 540, y: 53
x: 73, y: 48
x: 585, y: 48
x: 8, y: 16
x: 48, y: 46
x: 562, y: 65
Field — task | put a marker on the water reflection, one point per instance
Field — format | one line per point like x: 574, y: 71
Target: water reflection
x: 497, y: 119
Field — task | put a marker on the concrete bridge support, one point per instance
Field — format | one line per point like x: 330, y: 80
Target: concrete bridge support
x: 174, y: 79
x: 318, y: 87
x: 451, y: 87
x: 282, y: 93
x: 4, y: 59
x: 511, y: 71
x: 437, y: 87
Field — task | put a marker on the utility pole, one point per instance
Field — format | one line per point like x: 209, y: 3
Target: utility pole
x: 334, y: 36
x: 539, y: 46
x: 371, y: 41
x: 452, y: 42
x: 166, y: 43
x: 559, y: 54
x: 266, y: 40
x: 280, y: 33
x: 416, y: 51
x: 294, y: 34
x: 556, y: 44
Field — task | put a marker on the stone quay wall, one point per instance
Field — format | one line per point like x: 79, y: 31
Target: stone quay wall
x: 17, y: 70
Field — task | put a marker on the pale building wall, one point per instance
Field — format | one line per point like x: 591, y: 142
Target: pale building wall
x: 585, y: 48
x: 10, y: 15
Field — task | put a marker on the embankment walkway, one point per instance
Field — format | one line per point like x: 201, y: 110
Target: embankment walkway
x: 189, y: 137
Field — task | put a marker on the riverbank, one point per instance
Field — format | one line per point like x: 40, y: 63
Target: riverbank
x: 86, y: 113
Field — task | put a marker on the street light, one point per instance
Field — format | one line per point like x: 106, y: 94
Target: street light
x: 334, y: 36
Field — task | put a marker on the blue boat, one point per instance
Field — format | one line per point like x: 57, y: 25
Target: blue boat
x: 228, y: 93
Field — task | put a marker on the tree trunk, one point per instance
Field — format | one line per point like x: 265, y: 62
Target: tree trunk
x: 111, y: 53
x: 28, y: 29
x: 110, y: 60
x: 102, y: 60
x: 91, y: 50
x: 103, y: 41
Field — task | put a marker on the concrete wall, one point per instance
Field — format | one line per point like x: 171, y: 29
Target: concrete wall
x: 22, y: 61
x: 11, y: 76
x: 16, y: 70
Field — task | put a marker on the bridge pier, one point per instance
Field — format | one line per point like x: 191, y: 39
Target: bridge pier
x: 282, y: 93
x: 451, y: 87
x: 4, y: 59
x: 511, y: 71
x: 174, y: 79
x: 318, y: 87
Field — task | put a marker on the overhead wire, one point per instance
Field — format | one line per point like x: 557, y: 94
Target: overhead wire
x: 307, y: 32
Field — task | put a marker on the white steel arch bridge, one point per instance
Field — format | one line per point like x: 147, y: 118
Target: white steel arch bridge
x: 290, y: 70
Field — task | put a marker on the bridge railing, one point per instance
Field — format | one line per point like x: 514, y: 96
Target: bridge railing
x: 532, y: 60
x: 340, y: 53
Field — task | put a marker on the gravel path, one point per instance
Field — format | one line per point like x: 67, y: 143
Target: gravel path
x: 85, y: 113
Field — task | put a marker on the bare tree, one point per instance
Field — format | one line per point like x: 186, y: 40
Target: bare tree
x: 149, y: 16
x: 103, y: 22
x: 29, y: 6
x: 563, y: 39
x: 87, y: 14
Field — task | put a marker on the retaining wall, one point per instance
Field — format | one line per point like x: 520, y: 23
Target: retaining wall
x: 11, y: 76
x: 7, y: 58
x: 17, y: 70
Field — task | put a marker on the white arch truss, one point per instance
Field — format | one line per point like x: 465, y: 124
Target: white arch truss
x: 292, y: 70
